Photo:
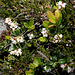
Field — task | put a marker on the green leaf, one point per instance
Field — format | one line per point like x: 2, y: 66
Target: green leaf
x: 7, y: 37
x: 50, y: 63
x: 31, y: 28
x: 68, y: 59
x: 30, y: 24
x: 26, y: 24
x: 1, y: 3
x: 32, y: 66
x: 55, y: 7
x: 65, y: 68
x: 18, y: 32
x: 52, y: 21
x: 54, y: 58
x: 11, y: 57
x: 36, y: 61
x: 57, y: 14
x: 46, y: 24
x: 62, y: 61
x: 51, y: 17
x: 29, y: 44
x: 30, y: 72
x: 42, y: 39
x: 60, y: 18
x: 54, y: 65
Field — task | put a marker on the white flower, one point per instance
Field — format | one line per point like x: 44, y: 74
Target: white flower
x: 44, y: 32
x: 66, y: 44
x: 8, y: 21
x: 14, y: 25
x: 16, y: 52
x: 13, y: 40
x: 45, y: 35
x: 45, y: 68
x: 57, y: 38
x: 69, y: 69
x: 60, y: 36
x: 61, y: 4
x: 20, y: 39
x: 13, y: 52
x: 69, y: 41
x: 30, y: 35
x: 63, y: 65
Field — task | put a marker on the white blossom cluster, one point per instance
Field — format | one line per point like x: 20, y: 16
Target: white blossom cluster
x: 17, y: 39
x: 13, y: 25
x: 57, y: 38
x: 69, y: 69
x: 14, y: 40
x: 30, y: 35
x: 16, y: 52
x: 60, y: 4
x: 44, y: 32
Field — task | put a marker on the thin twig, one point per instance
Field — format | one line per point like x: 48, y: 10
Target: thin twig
x: 19, y: 15
x: 7, y: 45
x: 43, y: 55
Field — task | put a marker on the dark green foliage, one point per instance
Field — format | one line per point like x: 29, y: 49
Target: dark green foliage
x: 47, y: 53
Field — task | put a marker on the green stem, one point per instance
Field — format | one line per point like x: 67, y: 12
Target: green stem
x: 19, y: 45
x: 57, y: 71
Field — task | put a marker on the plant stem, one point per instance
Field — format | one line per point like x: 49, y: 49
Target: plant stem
x: 43, y: 55
x: 57, y: 71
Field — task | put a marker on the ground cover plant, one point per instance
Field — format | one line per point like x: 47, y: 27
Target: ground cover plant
x: 40, y: 38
